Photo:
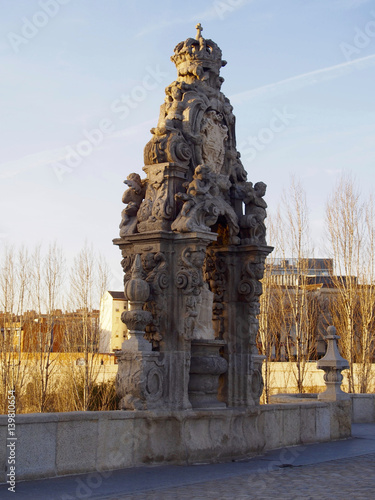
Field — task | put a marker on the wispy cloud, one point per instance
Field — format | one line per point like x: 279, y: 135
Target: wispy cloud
x: 42, y: 158
x: 28, y: 162
x: 305, y: 79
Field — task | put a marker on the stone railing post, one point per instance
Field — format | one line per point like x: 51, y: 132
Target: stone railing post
x: 332, y: 364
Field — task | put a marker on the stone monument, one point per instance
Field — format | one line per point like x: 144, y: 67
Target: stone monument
x: 193, y: 242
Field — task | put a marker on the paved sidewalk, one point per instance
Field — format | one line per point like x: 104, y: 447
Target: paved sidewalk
x: 342, y: 469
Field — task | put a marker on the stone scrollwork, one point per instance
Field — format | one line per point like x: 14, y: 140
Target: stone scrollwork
x: 156, y: 269
x: 215, y: 275
x: 204, y: 202
x: 140, y: 381
x: 156, y: 207
x: 189, y: 279
x: 250, y: 287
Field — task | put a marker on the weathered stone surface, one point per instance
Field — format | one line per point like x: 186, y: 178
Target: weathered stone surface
x: 363, y: 408
x: 76, y: 445
x: 341, y: 419
x: 308, y: 425
x: 292, y: 425
x: 115, y: 439
x: 272, y: 426
x: 36, y: 449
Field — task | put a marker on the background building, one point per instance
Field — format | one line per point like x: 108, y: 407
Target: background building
x: 112, y: 330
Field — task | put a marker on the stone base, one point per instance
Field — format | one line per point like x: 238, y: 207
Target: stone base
x: 139, y: 381
x: 54, y: 444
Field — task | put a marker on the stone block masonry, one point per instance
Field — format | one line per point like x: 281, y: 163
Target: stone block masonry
x: 57, y: 444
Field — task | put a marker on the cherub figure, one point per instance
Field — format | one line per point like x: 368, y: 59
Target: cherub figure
x: 199, y: 187
x: 174, y: 106
x: 133, y: 198
x: 255, y: 213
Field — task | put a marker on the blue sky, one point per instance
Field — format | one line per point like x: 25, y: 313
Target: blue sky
x: 69, y: 66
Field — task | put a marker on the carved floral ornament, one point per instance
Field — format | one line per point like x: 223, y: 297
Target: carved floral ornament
x: 194, y: 172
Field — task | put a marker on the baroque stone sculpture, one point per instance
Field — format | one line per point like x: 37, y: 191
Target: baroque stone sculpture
x: 193, y: 239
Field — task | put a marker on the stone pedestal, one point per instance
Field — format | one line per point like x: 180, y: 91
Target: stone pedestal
x: 140, y: 381
x: 172, y: 267
x: 332, y: 364
x: 205, y: 368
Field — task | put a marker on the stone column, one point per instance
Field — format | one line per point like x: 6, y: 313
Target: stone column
x: 140, y: 376
x: 234, y: 274
x: 172, y: 268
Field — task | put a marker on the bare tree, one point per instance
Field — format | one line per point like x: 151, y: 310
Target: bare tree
x: 366, y: 298
x: 345, y: 230
x: 270, y: 323
x: 13, y: 295
x: 88, y: 279
x: 47, y: 277
x: 295, y: 298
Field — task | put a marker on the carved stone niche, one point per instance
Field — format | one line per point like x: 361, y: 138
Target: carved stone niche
x: 205, y: 368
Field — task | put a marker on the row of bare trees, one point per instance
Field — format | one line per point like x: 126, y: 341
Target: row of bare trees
x: 295, y: 311
x: 46, y: 306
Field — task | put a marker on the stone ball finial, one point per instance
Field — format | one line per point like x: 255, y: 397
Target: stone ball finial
x: 331, y: 330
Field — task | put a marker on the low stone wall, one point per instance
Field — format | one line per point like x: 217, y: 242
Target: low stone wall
x: 362, y: 405
x: 66, y: 443
x: 363, y: 408
x: 282, y: 377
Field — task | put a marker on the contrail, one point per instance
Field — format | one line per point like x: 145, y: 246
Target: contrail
x: 299, y: 81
